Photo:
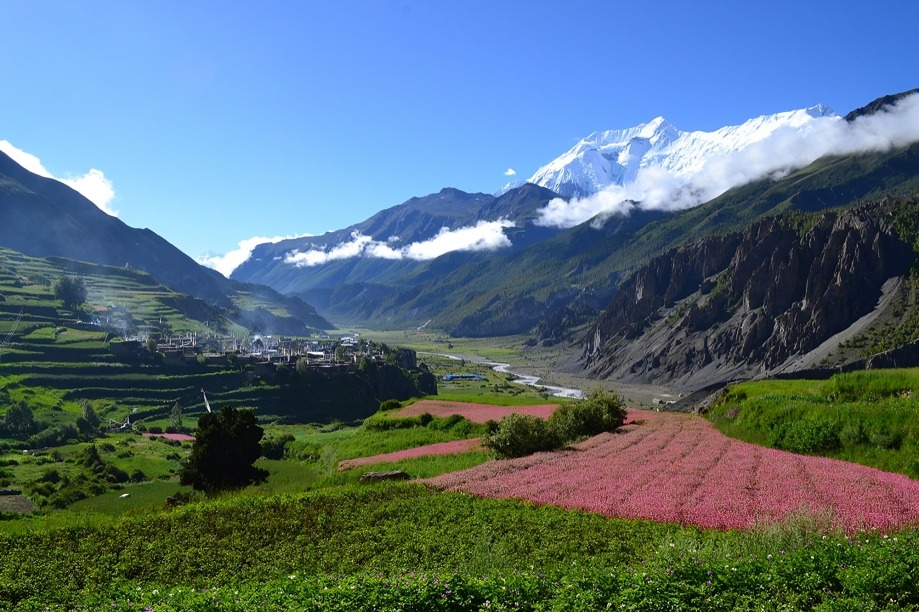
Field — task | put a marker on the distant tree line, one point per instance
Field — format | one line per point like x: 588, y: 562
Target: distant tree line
x: 20, y: 423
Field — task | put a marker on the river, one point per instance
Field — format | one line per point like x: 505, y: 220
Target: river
x: 520, y: 379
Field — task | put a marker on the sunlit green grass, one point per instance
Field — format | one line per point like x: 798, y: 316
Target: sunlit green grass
x: 869, y: 417
x: 354, y: 442
x: 403, y: 546
x: 419, y: 467
x: 287, y: 475
x: 132, y: 498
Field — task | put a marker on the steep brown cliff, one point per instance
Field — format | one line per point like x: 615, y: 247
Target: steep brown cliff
x: 748, y: 303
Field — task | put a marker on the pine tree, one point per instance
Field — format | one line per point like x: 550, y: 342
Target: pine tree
x: 225, y: 449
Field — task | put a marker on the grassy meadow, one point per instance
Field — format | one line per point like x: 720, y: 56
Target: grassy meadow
x: 868, y: 417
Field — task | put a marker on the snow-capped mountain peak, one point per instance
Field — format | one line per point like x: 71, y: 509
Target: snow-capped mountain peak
x: 614, y: 157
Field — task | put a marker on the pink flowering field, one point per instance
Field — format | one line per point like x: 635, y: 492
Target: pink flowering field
x: 477, y: 413
x: 679, y: 468
x: 171, y: 436
x: 441, y: 448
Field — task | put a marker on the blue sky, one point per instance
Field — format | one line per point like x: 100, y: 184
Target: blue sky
x: 213, y: 122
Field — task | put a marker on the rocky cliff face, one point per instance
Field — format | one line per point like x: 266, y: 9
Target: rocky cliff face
x: 747, y: 303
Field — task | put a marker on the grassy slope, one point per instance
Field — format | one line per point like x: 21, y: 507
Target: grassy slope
x: 395, y: 547
x: 869, y: 417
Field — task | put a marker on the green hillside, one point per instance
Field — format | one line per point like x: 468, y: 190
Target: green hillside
x: 67, y: 354
x: 571, y: 276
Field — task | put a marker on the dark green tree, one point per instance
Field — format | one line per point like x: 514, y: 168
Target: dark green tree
x: 71, y: 291
x: 175, y: 418
x: 225, y: 449
x: 19, y: 420
x: 88, y: 422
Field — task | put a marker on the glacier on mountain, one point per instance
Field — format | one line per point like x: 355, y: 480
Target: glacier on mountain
x: 656, y: 166
x: 615, y: 157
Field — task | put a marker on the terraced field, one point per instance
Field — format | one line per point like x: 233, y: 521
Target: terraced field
x: 52, y: 358
x: 678, y: 468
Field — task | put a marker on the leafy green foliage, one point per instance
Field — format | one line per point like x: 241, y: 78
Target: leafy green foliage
x: 274, y: 448
x: 54, y: 435
x: 175, y: 418
x: 381, y: 422
x: 869, y: 417
x: 390, y: 404
x: 71, y: 291
x: 88, y: 422
x: 226, y: 446
x: 439, y: 551
x: 518, y: 435
x: 600, y: 411
x: 19, y: 421
x: 810, y: 434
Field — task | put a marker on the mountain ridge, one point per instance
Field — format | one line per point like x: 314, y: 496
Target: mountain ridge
x: 45, y: 218
x: 755, y: 302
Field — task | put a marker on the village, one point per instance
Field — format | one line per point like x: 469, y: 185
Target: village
x: 264, y: 353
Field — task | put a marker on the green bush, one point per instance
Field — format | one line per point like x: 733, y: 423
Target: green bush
x: 457, y: 425
x: 55, y: 435
x: 851, y: 434
x: 601, y: 411
x: 390, y: 404
x: 518, y: 435
x: 885, y: 436
x: 811, y: 434
x: 274, y: 448
x: 381, y: 422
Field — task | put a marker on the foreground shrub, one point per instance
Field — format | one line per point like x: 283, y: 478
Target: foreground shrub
x: 518, y: 435
x: 811, y: 434
x: 55, y: 435
x: 390, y: 404
x: 601, y: 411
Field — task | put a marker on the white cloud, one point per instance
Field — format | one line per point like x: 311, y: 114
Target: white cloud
x: 26, y: 160
x: 784, y: 150
x: 510, y: 172
x: 344, y: 250
x: 96, y: 188
x: 93, y: 185
x: 483, y: 236
x: 225, y: 264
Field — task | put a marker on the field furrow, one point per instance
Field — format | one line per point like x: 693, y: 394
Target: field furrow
x: 679, y: 468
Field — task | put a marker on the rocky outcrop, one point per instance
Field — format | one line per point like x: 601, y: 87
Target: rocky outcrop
x: 744, y: 304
